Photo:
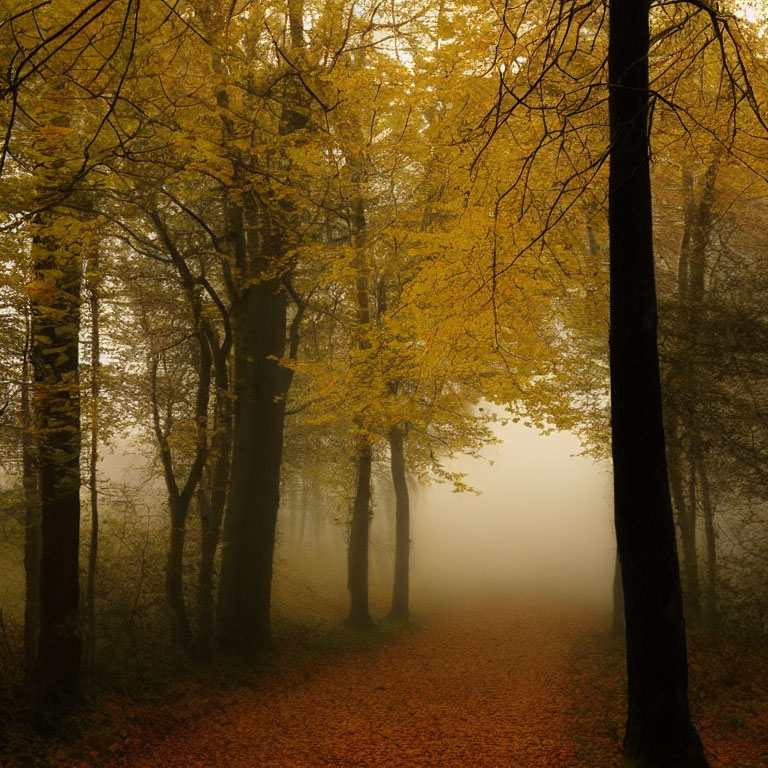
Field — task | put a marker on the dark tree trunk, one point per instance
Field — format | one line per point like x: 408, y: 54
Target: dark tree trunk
x: 248, y: 541
x: 357, y: 571
x: 205, y: 576
x: 55, y: 683
x: 359, y: 528
x: 212, y: 359
x: 400, y: 610
x: 180, y: 498
x: 211, y: 504
x: 257, y: 233
x: 659, y: 732
x: 32, y: 534
x: 181, y: 633
x: 93, y: 463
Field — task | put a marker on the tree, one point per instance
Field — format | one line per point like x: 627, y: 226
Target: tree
x: 659, y: 727
x: 400, y: 608
x: 259, y: 238
x: 55, y: 301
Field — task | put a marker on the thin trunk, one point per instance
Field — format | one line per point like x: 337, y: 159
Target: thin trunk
x: 359, y: 529
x: 90, y: 582
x: 32, y: 533
x: 357, y: 573
x: 691, y: 289
x: 710, y: 596
x: 300, y: 517
x: 212, y: 360
x: 181, y: 633
x: 55, y: 677
x: 686, y: 521
x: 693, y: 504
x: 211, y: 504
x: 659, y: 733
x: 179, y: 499
x: 400, y: 610
x: 205, y: 575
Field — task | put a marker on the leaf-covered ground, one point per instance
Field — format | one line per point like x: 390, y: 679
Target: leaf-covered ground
x: 488, y: 685
x: 499, y: 683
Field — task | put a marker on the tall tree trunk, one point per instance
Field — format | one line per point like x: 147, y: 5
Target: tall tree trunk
x: 359, y: 529
x: 32, y: 533
x: 685, y: 416
x: 212, y: 501
x: 55, y: 679
x: 659, y: 732
x: 259, y: 316
x: 93, y: 551
x: 248, y: 539
x: 400, y: 610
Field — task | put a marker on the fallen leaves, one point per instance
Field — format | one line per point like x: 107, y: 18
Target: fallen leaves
x: 488, y: 684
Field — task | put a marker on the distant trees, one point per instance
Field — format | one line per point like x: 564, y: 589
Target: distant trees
x: 713, y: 424
x: 211, y: 220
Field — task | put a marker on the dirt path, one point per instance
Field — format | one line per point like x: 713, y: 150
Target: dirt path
x: 486, y: 685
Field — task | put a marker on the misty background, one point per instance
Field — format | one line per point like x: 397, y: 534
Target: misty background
x: 539, y: 518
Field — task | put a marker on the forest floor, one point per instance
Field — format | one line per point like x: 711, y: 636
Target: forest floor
x: 494, y: 683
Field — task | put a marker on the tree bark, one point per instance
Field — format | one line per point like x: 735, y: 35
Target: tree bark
x: 357, y: 572
x: 210, y: 529
x: 660, y: 733
x: 32, y: 533
x: 257, y: 233
x: 180, y: 498
x: 55, y: 678
x: 93, y: 551
x: 212, y: 360
x: 181, y: 632
x: 212, y: 501
x: 248, y: 539
x: 400, y: 610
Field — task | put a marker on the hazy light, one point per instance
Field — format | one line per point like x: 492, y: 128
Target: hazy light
x: 543, y: 521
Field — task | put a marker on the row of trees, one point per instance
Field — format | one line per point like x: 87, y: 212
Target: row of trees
x: 323, y: 227
x: 257, y: 205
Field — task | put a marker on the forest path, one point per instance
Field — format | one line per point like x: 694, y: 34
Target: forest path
x: 486, y: 684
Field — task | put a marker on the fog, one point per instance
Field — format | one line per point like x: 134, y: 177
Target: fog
x: 542, y: 520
